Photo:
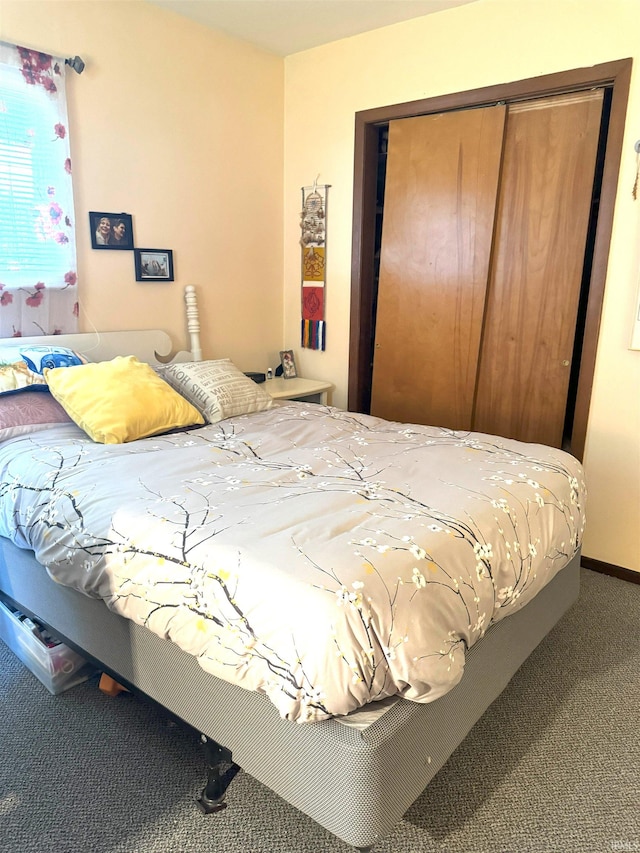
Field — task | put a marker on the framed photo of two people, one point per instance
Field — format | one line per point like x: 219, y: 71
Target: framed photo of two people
x: 111, y: 230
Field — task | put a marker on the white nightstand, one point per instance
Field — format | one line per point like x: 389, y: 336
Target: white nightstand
x: 309, y: 390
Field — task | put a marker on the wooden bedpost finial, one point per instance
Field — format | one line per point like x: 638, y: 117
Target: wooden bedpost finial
x: 193, y: 322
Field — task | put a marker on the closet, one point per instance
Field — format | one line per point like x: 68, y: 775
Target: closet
x: 476, y: 306
x: 483, y: 240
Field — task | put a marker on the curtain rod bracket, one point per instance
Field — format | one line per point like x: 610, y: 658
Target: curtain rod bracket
x: 76, y: 63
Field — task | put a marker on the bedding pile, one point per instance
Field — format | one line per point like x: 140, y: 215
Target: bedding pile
x: 324, y: 558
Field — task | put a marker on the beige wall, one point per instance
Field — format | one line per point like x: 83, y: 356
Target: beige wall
x: 481, y: 44
x: 183, y: 128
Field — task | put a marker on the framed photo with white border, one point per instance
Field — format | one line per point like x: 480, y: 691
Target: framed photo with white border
x: 153, y: 264
x: 288, y: 362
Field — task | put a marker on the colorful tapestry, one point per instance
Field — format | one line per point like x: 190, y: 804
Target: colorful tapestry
x: 313, y: 241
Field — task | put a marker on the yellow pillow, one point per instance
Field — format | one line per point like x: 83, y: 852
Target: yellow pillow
x: 119, y: 400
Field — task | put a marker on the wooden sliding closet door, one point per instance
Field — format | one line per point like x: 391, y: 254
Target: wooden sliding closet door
x: 439, y: 211
x: 541, y: 231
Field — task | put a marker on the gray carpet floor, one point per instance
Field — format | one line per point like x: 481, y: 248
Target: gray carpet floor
x: 554, y: 764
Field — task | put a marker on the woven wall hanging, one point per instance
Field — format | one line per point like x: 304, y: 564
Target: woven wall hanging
x: 313, y: 225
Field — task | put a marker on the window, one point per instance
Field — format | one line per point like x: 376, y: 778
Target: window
x: 37, y: 238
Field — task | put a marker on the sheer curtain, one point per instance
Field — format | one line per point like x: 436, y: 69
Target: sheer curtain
x: 38, y: 278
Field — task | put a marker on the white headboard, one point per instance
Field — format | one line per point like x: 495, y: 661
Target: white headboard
x: 151, y: 345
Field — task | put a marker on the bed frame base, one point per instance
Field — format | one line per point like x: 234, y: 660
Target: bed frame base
x: 356, y: 784
x: 212, y: 797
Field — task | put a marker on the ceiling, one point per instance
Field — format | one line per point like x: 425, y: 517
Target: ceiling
x: 289, y: 26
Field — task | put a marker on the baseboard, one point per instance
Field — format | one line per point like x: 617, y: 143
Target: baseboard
x: 610, y: 569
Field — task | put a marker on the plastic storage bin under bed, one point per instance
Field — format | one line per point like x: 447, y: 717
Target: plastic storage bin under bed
x: 58, y: 667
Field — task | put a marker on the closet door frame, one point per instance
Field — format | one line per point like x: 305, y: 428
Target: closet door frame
x: 615, y: 76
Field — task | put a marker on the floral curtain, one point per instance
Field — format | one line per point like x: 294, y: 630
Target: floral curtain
x: 38, y: 278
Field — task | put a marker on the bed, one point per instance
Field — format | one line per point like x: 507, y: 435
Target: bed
x: 332, y: 601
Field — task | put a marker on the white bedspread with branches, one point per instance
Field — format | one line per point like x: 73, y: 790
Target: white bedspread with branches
x: 324, y: 558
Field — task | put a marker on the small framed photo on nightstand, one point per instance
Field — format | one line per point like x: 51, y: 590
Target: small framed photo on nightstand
x: 288, y: 363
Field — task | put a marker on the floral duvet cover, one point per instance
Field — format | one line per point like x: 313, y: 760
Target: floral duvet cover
x: 324, y: 558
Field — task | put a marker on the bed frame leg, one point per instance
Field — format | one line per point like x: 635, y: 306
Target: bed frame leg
x: 212, y: 797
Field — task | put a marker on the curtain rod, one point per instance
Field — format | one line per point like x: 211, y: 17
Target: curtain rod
x: 75, y: 62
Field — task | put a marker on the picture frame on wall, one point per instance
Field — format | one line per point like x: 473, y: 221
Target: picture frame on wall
x: 111, y: 230
x: 288, y: 362
x: 153, y: 264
